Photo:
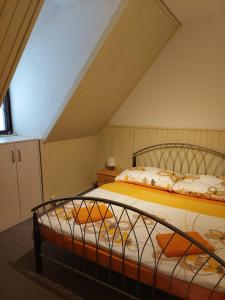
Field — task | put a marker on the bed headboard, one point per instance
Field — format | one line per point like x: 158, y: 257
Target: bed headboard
x: 182, y: 158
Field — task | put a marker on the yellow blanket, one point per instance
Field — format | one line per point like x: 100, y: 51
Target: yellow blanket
x: 199, y: 205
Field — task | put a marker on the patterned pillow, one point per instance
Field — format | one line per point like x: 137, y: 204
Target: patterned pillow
x: 204, y: 186
x: 150, y: 177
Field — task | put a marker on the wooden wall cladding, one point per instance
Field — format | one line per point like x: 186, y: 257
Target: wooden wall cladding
x: 121, y: 142
x: 17, y: 18
x: 69, y: 167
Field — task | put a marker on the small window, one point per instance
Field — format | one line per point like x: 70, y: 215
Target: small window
x: 5, y: 116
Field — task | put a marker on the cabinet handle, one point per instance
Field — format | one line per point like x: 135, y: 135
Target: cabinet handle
x: 13, y: 159
x: 19, y: 155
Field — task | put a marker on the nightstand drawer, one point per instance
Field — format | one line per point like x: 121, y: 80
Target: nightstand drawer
x: 107, y: 176
x: 103, y: 179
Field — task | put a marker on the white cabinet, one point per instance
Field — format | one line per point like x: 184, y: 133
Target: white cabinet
x: 9, y: 194
x: 20, y: 181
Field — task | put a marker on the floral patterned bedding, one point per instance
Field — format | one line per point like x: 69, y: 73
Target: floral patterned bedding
x: 210, y: 227
x: 205, y: 186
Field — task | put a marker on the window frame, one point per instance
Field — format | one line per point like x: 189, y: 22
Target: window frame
x: 8, y: 116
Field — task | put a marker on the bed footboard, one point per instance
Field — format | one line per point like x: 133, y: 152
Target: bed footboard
x: 126, y: 244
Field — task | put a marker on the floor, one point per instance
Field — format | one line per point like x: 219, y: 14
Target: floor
x: 14, y: 244
x: 18, y: 279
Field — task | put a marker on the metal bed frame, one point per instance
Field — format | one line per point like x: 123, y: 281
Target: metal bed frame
x: 181, y: 157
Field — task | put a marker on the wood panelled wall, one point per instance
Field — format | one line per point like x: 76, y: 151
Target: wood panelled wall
x: 121, y: 142
x: 69, y: 167
x: 17, y: 18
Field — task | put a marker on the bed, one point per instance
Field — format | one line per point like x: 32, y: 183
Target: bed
x: 128, y: 241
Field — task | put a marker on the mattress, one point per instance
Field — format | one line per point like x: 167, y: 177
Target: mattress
x: 207, y: 217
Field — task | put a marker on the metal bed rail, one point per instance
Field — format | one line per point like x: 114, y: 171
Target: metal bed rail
x: 113, y: 233
x: 182, y: 158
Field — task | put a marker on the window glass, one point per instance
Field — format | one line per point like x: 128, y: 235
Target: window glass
x: 2, y: 118
x: 5, y: 116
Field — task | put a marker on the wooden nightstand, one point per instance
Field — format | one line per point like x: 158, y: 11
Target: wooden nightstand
x: 106, y: 176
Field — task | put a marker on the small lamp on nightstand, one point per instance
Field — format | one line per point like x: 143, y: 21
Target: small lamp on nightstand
x: 111, y: 163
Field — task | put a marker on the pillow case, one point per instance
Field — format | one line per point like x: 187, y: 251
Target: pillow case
x: 204, y: 186
x: 149, y: 177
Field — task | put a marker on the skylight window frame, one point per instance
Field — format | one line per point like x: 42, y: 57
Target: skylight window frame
x: 8, y: 116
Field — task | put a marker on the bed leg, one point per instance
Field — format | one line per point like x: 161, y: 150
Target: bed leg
x: 37, y: 244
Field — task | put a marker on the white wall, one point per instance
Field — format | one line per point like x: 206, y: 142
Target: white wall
x: 63, y: 39
x: 184, y: 88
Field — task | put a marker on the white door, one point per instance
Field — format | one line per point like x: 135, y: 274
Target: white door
x: 9, y: 198
x: 29, y: 176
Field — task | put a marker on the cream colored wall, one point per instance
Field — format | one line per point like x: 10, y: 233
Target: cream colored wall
x: 184, y: 87
x: 69, y: 167
x: 121, y: 142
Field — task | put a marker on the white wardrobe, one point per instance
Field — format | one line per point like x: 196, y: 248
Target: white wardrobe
x: 20, y: 181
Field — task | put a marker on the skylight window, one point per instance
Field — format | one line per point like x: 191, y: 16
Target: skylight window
x: 5, y: 116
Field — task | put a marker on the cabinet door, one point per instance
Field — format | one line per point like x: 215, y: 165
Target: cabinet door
x: 9, y: 198
x: 29, y: 176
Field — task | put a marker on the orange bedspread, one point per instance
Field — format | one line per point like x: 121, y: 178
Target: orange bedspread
x: 91, y: 214
x: 199, y: 205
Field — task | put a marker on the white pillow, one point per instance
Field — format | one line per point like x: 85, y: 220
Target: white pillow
x: 150, y: 177
x: 204, y: 186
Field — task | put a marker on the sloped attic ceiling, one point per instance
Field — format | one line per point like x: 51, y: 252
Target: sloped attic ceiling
x: 138, y: 36
x: 65, y: 36
x: 82, y: 60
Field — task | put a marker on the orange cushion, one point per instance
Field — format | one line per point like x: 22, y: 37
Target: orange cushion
x: 178, y: 244
x: 91, y: 214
